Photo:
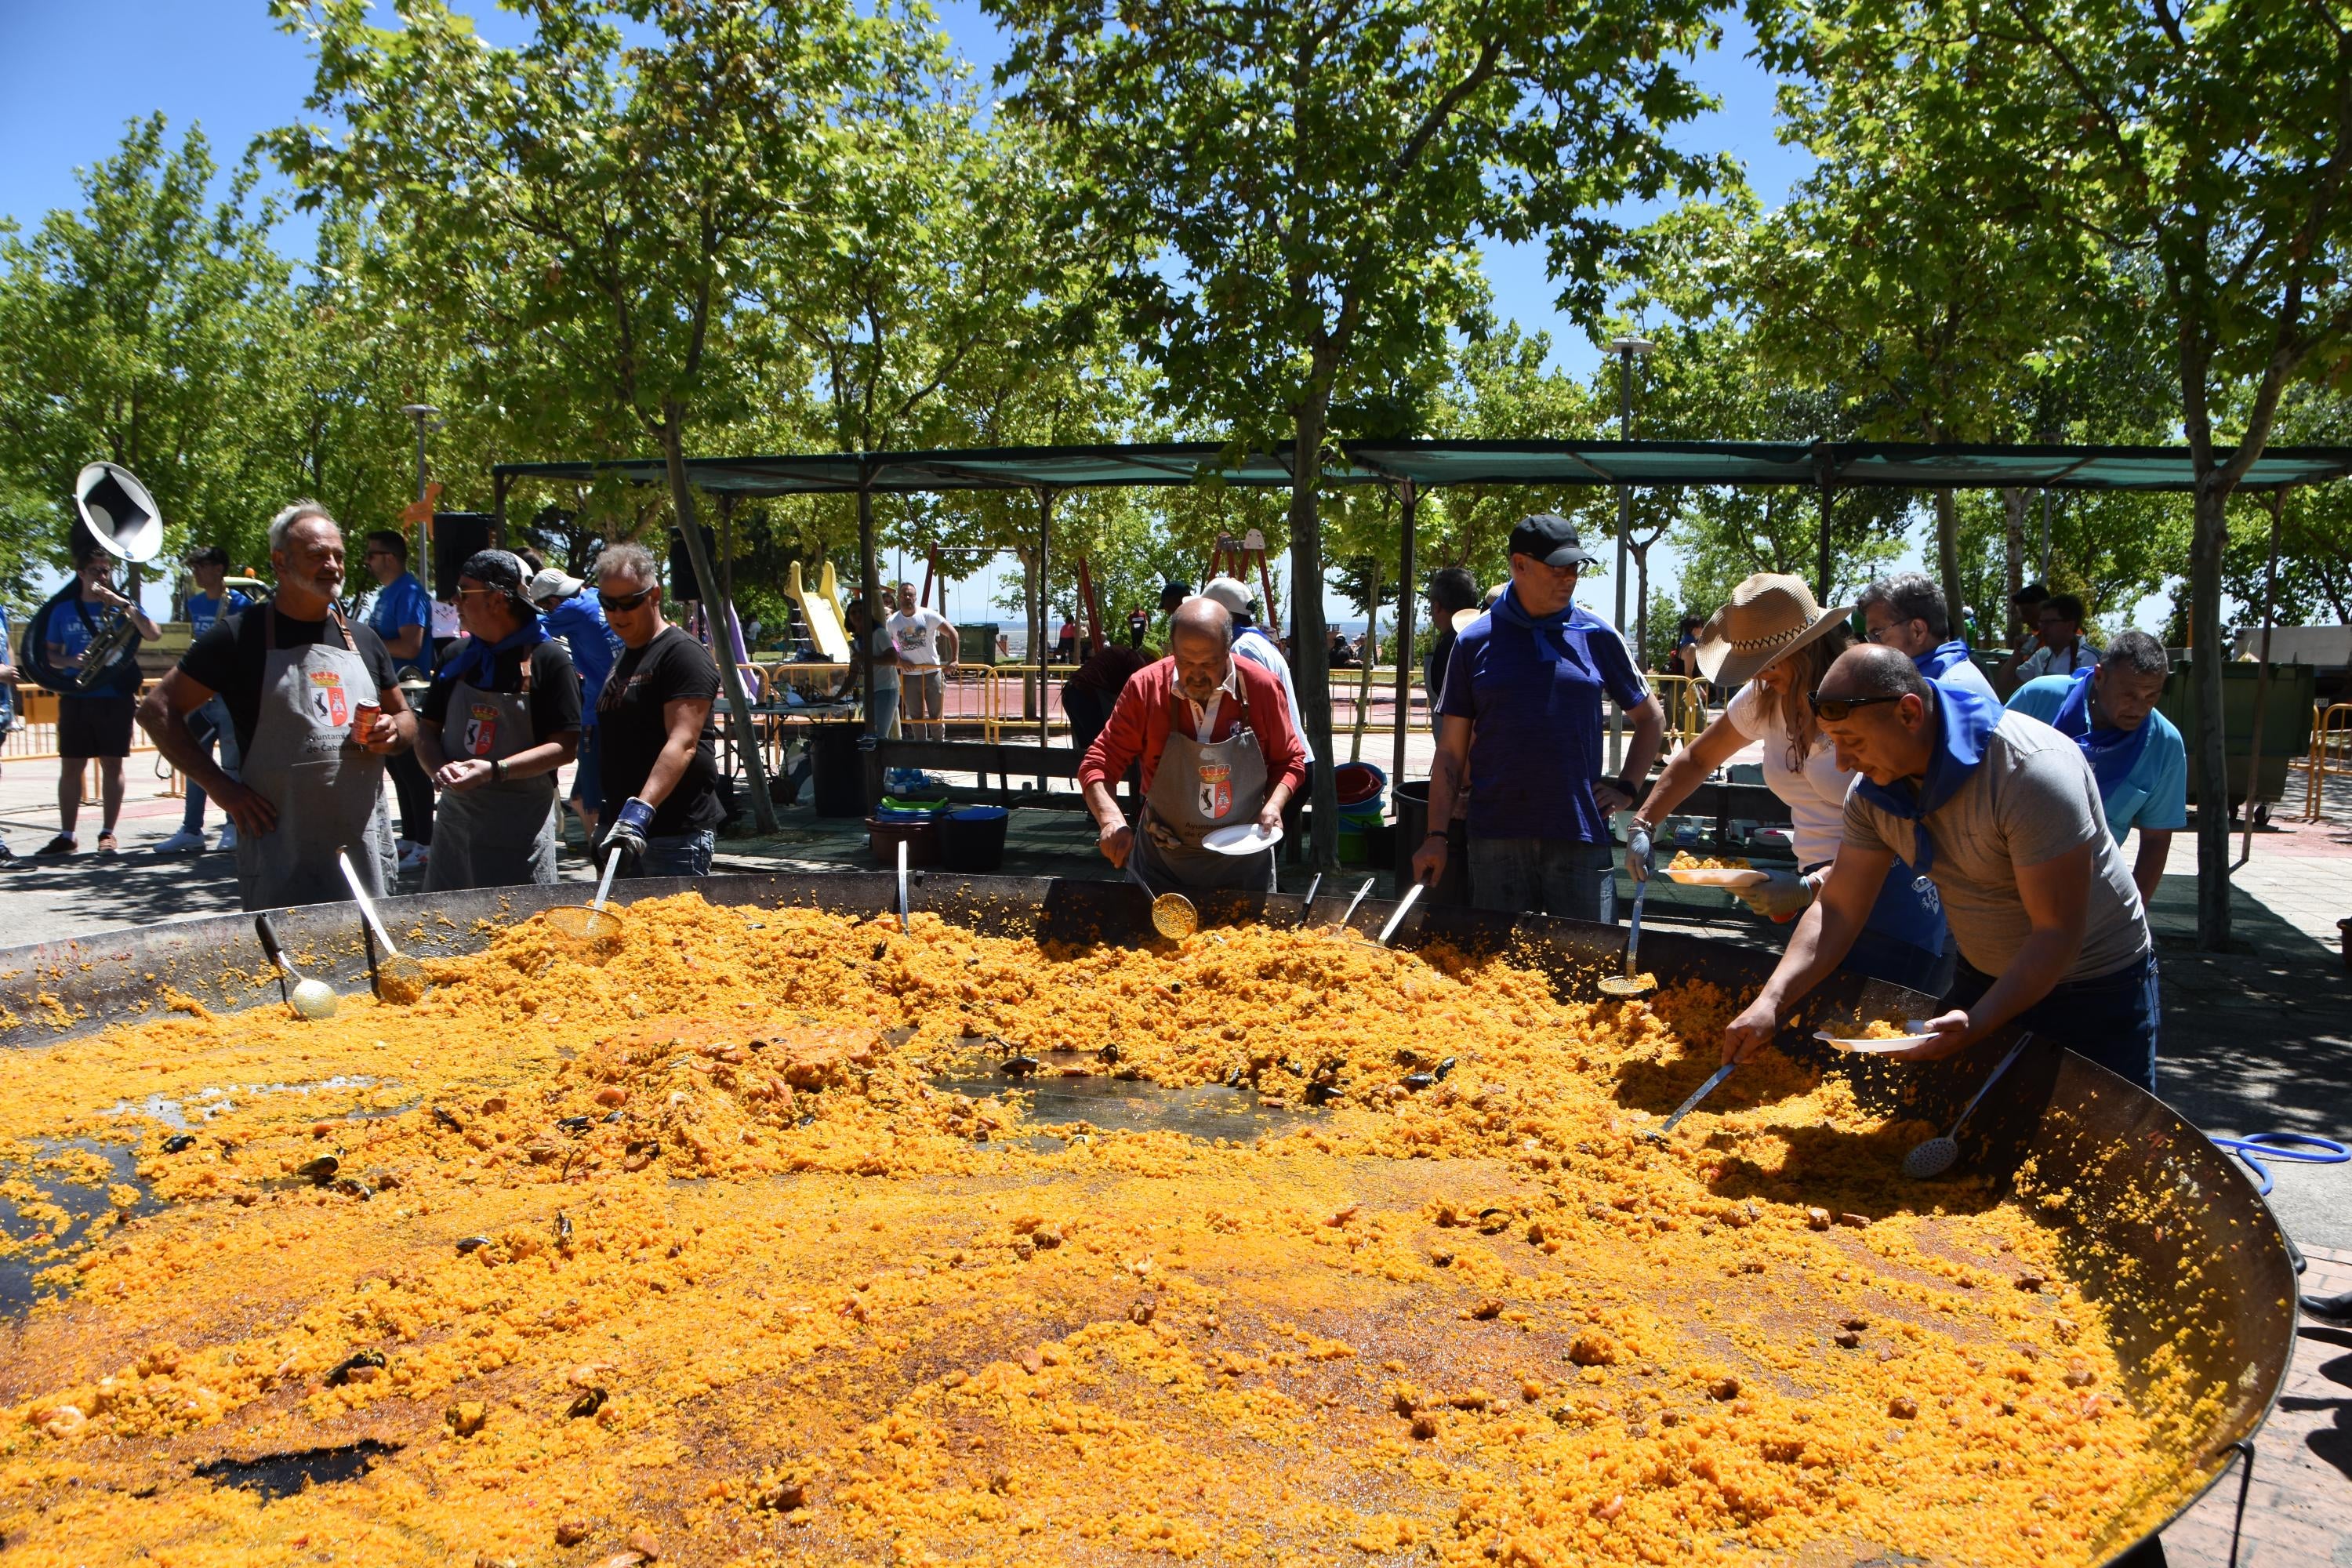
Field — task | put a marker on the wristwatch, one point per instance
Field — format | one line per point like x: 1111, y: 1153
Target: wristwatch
x: 1630, y: 788
x: 498, y: 770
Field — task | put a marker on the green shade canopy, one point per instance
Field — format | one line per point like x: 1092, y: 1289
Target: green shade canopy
x: 1838, y: 465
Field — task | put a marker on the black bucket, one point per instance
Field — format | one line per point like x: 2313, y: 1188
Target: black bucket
x: 972, y: 838
x: 1411, y: 827
x: 837, y: 769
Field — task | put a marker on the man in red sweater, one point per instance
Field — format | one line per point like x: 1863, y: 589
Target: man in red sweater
x: 1212, y: 738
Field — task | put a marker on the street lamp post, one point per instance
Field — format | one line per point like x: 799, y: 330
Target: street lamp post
x: 1625, y: 349
x: 423, y: 414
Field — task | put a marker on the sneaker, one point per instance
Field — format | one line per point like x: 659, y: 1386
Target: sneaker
x: 107, y: 844
x: 415, y: 859
x: 184, y: 842
x: 63, y: 844
x: 227, y: 837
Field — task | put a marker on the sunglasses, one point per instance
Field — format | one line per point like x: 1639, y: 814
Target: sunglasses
x: 626, y: 601
x: 1835, y: 709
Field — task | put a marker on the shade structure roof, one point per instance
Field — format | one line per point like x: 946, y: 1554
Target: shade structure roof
x: 1838, y: 465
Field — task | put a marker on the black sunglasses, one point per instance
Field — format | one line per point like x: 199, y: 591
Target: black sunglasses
x: 626, y: 602
x: 1836, y: 709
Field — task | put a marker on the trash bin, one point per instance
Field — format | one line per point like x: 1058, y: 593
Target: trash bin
x: 1411, y: 827
x: 971, y: 838
x: 2286, y: 724
x: 837, y: 769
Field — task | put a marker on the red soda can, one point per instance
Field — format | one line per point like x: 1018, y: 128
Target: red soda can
x: 363, y: 719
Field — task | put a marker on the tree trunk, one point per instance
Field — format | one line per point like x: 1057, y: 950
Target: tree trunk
x: 1641, y: 604
x: 1311, y: 664
x: 730, y: 679
x: 1947, y: 556
x: 2207, y: 756
x: 869, y: 589
x: 2012, y: 506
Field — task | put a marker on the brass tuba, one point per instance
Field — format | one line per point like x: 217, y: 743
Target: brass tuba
x: 125, y: 522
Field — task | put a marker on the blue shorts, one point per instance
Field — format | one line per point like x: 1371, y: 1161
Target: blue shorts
x: 587, y: 784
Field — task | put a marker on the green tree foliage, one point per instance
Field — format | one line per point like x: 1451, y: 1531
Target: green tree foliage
x: 139, y: 329
x: 2209, y: 144
x: 1295, y: 190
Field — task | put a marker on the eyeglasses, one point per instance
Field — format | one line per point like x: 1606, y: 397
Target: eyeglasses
x: 626, y: 602
x: 482, y: 593
x: 1835, y: 709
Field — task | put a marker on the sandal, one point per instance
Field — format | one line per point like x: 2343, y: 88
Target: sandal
x: 106, y: 844
x: 63, y: 844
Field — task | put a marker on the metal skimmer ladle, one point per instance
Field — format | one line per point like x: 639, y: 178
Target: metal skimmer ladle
x: 1397, y: 915
x: 397, y: 976
x: 596, y: 923
x: 309, y: 999
x: 1687, y: 1105
x: 1937, y: 1155
x: 1627, y: 985
x: 1356, y: 900
x: 1172, y: 914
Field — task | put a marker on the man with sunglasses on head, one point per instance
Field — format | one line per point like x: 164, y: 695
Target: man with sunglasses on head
x: 1907, y: 614
x: 2001, y: 812
x: 402, y: 616
x: 656, y: 747
x: 1520, y: 726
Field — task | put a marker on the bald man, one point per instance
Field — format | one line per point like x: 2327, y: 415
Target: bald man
x: 1212, y: 738
x: 2002, y: 813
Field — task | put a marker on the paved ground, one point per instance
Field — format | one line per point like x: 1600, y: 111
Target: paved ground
x: 2258, y: 1038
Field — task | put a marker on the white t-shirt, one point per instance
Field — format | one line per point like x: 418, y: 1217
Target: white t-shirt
x: 1261, y: 650
x: 915, y: 637
x: 1815, y: 794
x: 885, y: 676
x: 2051, y: 661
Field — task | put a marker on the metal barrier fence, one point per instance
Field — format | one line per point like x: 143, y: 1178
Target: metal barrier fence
x: 35, y: 740
x: 2331, y: 752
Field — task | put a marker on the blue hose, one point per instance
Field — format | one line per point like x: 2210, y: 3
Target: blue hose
x: 2294, y: 1148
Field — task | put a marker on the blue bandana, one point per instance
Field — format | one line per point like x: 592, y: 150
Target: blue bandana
x: 474, y: 657
x: 1933, y: 664
x: 2112, y: 753
x: 1507, y: 611
x: 1964, y: 719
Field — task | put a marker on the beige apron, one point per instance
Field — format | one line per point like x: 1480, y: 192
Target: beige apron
x: 497, y: 834
x: 328, y: 793
x: 1198, y: 787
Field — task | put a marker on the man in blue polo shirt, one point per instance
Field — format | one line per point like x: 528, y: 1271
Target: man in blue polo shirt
x: 212, y: 599
x: 1521, y: 723
x: 2135, y: 751
x: 1906, y: 613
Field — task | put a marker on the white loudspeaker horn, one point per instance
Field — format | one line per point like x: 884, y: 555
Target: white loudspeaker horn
x: 118, y: 512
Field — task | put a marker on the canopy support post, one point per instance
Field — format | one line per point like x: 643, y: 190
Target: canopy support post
x: 1408, y: 503
x: 869, y: 589
x: 1045, y: 619
x: 499, y: 483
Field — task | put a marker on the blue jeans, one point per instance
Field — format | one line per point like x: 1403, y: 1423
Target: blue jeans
x: 1561, y: 877
x: 884, y: 713
x: 2110, y: 1018
x: 677, y: 855
x: 215, y: 713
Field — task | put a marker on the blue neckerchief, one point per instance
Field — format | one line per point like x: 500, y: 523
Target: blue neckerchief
x: 473, y: 656
x: 1964, y: 719
x: 1508, y: 611
x: 2112, y: 753
x: 1934, y: 663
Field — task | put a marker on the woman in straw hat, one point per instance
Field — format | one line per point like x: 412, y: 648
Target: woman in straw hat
x: 1774, y: 643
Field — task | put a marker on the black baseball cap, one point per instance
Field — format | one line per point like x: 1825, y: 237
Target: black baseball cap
x: 1551, y: 538
x: 501, y: 569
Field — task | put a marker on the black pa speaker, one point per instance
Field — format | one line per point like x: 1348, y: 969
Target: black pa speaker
x: 455, y: 536
x: 681, y: 564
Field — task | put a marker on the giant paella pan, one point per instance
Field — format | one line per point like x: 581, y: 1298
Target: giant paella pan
x: 766, y: 1228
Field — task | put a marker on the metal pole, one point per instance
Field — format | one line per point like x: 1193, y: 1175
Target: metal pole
x: 2045, y: 538
x: 1408, y: 503
x: 1624, y: 527
x: 1822, y: 566
x: 1044, y: 624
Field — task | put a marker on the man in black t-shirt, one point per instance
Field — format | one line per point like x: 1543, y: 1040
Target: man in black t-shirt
x: 655, y: 742
x: 299, y: 682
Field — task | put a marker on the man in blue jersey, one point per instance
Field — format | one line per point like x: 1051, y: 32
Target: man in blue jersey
x: 1520, y: 726
x: 1907, y: 614
x: 2135, y: 751
x: 573, y: 615
x: 212, y: 599
x: 403, y: 616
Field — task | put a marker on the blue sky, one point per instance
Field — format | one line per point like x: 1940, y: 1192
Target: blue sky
x: 73, y: 72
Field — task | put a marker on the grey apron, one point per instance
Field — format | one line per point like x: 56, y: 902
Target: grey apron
x: 329, y: 793
x: 1201, y: 787
x: 497, y: 834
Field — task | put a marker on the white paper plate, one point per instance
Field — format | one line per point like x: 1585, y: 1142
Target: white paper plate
x: 1241, y: 838
x: 1901, y: 1043
x: 1716, y: 876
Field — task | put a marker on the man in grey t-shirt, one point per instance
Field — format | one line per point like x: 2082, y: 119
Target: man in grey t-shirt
x: 2003, y: 814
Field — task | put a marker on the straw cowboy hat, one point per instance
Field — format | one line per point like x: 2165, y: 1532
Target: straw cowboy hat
x: 1769, y: 617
